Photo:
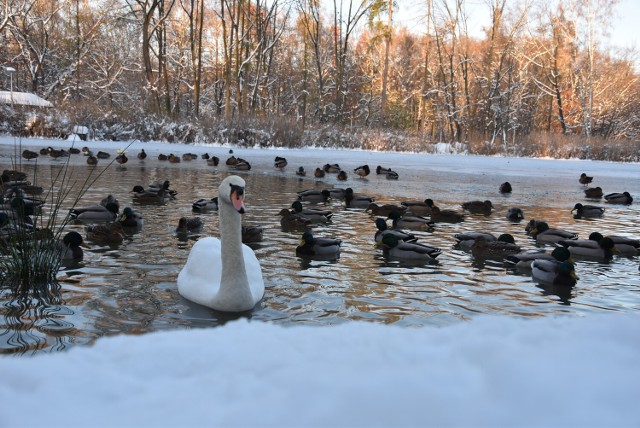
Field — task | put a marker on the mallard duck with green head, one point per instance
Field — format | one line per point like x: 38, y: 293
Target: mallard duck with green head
x: 252, y: 234
x: 130, y: 218
x: 95, y: 212
x: 551, y: 272
x: 312, y: 246
x: 71, y: 246
x: 352, y: 200
x: 15, y: 197
x: 241, y: 165
x: 544, y: 234
x: 384, y: 230
x: 392, y: 175
x: 623, y: 245
x: 623, y: 198
x: 313, y: 214
x: 602, y: 249
x: 314, y: 195
x: 291, y: 220
x: 12, y: 222
x: 410, y: 251
x: 443, y: 216
x: 587, y: 211
x: 332, y: 168
x: 362, y: 171
x: 500, y: 248
x: 280, y: 163
x: 465, y: 240
x: 336, y: 192
x: 406, y: 221
x: 205, y: 205
x: 523, y: 261
x: 165, y: 186
x: 142, y: 195
x: 417, y: 207
x: 515, y: 214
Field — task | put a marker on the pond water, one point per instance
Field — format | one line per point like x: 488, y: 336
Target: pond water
x: 131, y: 288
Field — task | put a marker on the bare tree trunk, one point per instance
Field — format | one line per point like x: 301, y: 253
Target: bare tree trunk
x: 385, y: 72
x: 146, y: 49
x: 228, y: 42
x: 555, y: 82
x: 426, y: 76
x: 310, y: 11
x: 157, y: 27
x: 78, y: 41
x: 337, y: 61
x: 195, y: 12
x: 162, y: 57
x: 343, y: 29
x: 239, y: 70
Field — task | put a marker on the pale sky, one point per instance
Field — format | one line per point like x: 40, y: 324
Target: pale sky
x: 625, y: 31
x: 623, y: 34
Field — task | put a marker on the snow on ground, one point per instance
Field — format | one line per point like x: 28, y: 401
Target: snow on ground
x: 490, y: 371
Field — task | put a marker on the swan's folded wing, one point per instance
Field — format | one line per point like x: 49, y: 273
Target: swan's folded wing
x: 254, y: 272
x: 199, y: 279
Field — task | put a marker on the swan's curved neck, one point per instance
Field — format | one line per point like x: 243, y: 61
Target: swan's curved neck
x: 234, y: 285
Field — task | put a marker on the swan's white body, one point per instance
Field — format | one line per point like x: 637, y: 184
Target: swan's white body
x: 223, y: 274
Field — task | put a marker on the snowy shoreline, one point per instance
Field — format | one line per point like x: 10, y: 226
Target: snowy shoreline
x: 490, y: 371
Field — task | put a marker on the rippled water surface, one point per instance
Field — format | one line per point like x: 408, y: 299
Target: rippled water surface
x: 132, y: 288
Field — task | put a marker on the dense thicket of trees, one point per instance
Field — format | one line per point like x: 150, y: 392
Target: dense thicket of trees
x: 537, y: 68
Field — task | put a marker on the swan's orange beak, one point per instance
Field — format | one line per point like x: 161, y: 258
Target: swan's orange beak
x: 237, y: 199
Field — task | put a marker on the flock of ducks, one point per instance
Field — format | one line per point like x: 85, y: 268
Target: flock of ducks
x: 92, y: 158
x: 554, y: 267
x: 394, y: 222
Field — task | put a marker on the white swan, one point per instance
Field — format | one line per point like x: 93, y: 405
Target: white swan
x: 224, y: 274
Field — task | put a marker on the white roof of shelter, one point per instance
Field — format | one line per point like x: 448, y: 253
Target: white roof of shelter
x: 23, y: 99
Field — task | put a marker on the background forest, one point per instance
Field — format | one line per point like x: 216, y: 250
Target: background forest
x: 339, y: 74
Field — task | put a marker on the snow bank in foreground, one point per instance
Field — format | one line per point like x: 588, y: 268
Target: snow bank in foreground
x: 486, y: 372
